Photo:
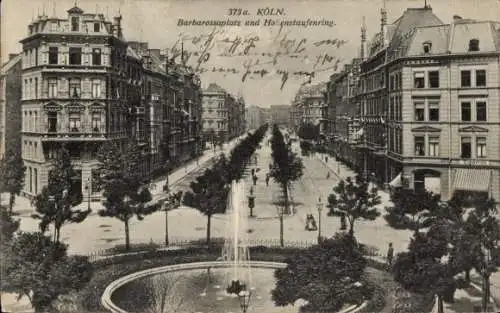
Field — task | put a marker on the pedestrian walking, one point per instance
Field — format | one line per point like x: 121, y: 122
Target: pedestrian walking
x: 267, y: 180
x: 390, y: 255
x: 326, y: 159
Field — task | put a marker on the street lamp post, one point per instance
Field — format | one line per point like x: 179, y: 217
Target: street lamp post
x: 251, y: 201
x: 169, y: 202
x: 320, y: 209
x: 244, y: 297
x: 52, y: 200
x: 281, y: 209
x: 88, y: 187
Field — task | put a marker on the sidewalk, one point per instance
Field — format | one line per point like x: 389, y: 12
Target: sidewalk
x: 23, y: 208
x: 342, y: 172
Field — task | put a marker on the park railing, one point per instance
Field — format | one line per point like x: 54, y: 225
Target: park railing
x: 179, y: 243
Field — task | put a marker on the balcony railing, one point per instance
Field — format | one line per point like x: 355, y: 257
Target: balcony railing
x: 86, y: 129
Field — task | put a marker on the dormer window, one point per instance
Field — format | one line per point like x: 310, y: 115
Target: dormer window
x: 427, y: 47
x: 474, y: 45
x: 75, y: 24
x: 97, y: 27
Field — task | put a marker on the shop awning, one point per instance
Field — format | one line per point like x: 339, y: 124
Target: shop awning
x: 472, y: 179
x: 397, y: 181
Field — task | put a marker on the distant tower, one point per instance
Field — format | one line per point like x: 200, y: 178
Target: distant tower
x: 117, y: 26
x: 383, y: 22
x: 363, y: 40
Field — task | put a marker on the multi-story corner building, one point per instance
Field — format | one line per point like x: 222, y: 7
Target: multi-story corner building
x: 374, y: 97
x: 254, y: 117
x: 223, y: 114
x: 215, y: 115
x: 84, y: 85
x: 280, y: 114
x: 10, y: 104
x: 74, y: 88
x: 310, y: 106
x: 429, y: 104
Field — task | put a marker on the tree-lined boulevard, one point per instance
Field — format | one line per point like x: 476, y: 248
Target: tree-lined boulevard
x: 299, y: 188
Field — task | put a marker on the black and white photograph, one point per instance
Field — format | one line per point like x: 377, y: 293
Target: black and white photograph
x: 265, y: 156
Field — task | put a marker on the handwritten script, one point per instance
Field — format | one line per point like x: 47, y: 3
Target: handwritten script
x: 284, y: 55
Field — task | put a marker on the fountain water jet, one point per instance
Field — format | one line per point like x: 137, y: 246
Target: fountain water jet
x: 235, y: 250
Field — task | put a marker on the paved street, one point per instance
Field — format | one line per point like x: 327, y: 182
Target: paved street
x: 102, y: 232
x: 187, y: 223
x: 97, y: 232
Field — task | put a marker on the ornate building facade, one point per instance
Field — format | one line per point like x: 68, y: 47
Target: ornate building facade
x: 223, y: 114
x: 428, y: 104
x: 84, y: 85
x: 310, y: 106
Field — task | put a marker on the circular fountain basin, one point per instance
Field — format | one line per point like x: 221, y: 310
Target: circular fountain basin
x: 192, y: 288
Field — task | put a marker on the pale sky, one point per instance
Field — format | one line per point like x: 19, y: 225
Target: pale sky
x: 155, y: 21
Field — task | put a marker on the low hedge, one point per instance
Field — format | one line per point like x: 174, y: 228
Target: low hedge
x: 107, y: 270
x: 88, y: 300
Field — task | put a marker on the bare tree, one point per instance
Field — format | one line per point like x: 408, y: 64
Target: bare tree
x: 168, y: 293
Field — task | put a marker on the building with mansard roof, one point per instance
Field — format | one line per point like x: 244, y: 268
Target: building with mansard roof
x: 74, y: 87
x: 428, y: 104
x: 84, y: 85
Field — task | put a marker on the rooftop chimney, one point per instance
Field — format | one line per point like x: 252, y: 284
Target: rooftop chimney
x: 456, y: 17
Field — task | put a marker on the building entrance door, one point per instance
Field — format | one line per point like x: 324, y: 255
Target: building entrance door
x: 76, y: 187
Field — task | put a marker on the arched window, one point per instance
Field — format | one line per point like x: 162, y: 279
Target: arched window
x: 474, y: 45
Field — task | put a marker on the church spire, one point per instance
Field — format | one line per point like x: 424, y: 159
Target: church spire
x: 363, y: 39
x: 383, y: 22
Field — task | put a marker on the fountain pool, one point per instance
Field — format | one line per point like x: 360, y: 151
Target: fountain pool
x: 197, y: 291
x: 204, y: 287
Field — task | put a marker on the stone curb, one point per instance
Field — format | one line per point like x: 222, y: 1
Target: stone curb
x: 106, y: 296
x: 108, y: 292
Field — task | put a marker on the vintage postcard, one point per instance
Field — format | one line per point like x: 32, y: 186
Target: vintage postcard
x: 217, y: 156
